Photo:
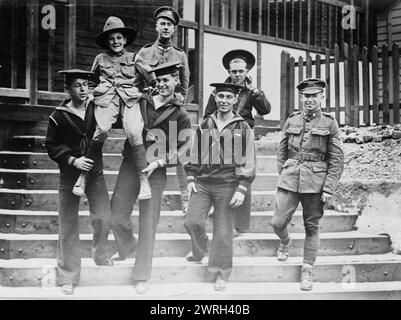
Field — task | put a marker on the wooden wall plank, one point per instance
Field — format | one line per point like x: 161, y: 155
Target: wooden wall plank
x: 277, y: 18
x: 233, y: 18
x: 365, y: 79
x: 13, y: 45
x: 308, y: 65
x: 292, y: 20
x: 32, y: 51
x: 318, y: 66
x: 309, y: 19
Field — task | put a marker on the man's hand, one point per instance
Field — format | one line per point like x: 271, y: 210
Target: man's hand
x: 237, y: 200
x: 250, y: 87
x: 150, y: 168
x: 191, y: 188
x: 83, y: 164
x: 326, y: 197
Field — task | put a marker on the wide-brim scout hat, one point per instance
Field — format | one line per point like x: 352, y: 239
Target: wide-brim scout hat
x: 166, y: 68
x: 228, y: 87
x: 114, y: 24
x: 245, y: 55
x: 168, y: 13
x: 72, y: 74
x: 311, y: 86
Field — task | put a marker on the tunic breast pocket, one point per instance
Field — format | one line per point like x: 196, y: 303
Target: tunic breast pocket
x: 294, y: 137
x: 128, y: 70
x: 320, y: 138
x: 107, y: 70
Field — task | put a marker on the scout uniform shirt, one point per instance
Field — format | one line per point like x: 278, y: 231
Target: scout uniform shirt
x: 155, y: 54
x: 118, y: 76
x: 310, y: 155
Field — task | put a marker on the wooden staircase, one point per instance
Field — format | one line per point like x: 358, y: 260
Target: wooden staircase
x: 28, y: 241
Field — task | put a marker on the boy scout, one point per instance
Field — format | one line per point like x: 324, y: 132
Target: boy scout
x: 163, y: 51
x: 71, y: 126
x: 310, y: 163
x: 238, y: 63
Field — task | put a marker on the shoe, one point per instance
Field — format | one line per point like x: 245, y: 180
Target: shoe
x: 68, y: 289
x: 119, y: 257
x: 220, y: 284
x: 190, y: 258
x: 145, y: 192
x: 283, y: 251
x: 306, y: 277
x: 142, y: 287
x: 107, y: 263
x: 79, y: 187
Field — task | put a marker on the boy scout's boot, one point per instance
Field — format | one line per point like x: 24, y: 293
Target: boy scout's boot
x: 283, y: 250
x: 306, y: 277
x: 145, y: 192
x: 94, y: 153
x: 80, y: 185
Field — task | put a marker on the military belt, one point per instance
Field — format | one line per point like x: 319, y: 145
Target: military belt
x: 305, y: 156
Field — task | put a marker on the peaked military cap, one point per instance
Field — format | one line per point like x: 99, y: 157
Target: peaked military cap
x: 72, y: 74
x: 166, y: 68
x: 229, y: 87
x: 168, y: 13
x: 114, y: 24
x: 245, y: 55
x: 311, y: 86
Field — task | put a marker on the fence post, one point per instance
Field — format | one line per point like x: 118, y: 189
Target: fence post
x: 396, y: 83
x: 386, y: 85
x: 337, y: 81
x: 375, y: 84
x: 284, y: 87
x: 355, y: 85
x: 347, y: 86
x: 366, y: 95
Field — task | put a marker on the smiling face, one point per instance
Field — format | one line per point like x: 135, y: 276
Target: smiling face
x: 166, y: 84
x: 225, y: 101
x: 165, y: 28
x: 116, y: 42
x: 311, y: 101
x: 238, y: 71
x: 78, y: 90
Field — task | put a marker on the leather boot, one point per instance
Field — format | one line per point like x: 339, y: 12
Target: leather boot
x: 283, y: 250
x: 306, y: 277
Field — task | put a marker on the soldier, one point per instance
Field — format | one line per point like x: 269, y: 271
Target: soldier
x: 163, y: 51
x: 310, y: 163
x: 71, y: 126
x: 221, y: 180
x: 160, y: 113
x: 238, y: 64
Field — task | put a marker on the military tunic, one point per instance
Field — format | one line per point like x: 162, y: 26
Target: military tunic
x: 154, y: 54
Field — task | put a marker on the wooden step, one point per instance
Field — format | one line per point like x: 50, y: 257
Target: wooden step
x: 113, y: 145
x: 356, y: 269
x: 47, y: 200
x: 33, y: 179
x: 17, y: 246
x: 46, y: 222
x: 31, y: 160
x: 195, y: 291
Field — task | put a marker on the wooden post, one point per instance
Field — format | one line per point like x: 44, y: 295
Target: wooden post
x: 316, y: 24
x: 260, y: 17
x: 268, y: 18
x: 367, y: 22
x: 309, y: 19
x: 291, y: 86
x: 70, y: 34
x: 284, y: 24
x: 355, y: 79
x: 375, y: 84
x: 277, y: 18
x: 32, y: 51
x: 330, y: 27
x: 284, y: 88
x: 292, y: 20
x: 225, y: 14
x: 328, y: 80
x: 199, y: 52
x: 337, y: 81
x: 366, y: 96
x: 241, y: 15
x: 386, y: 85
x: 396, y: 83
x: 250, y: 16
x: 300, y: 77
x: 308, y: 65
x: 318, y: 66
x: 348, y: 86
x: 259, y: 64
x: 300, y: 21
